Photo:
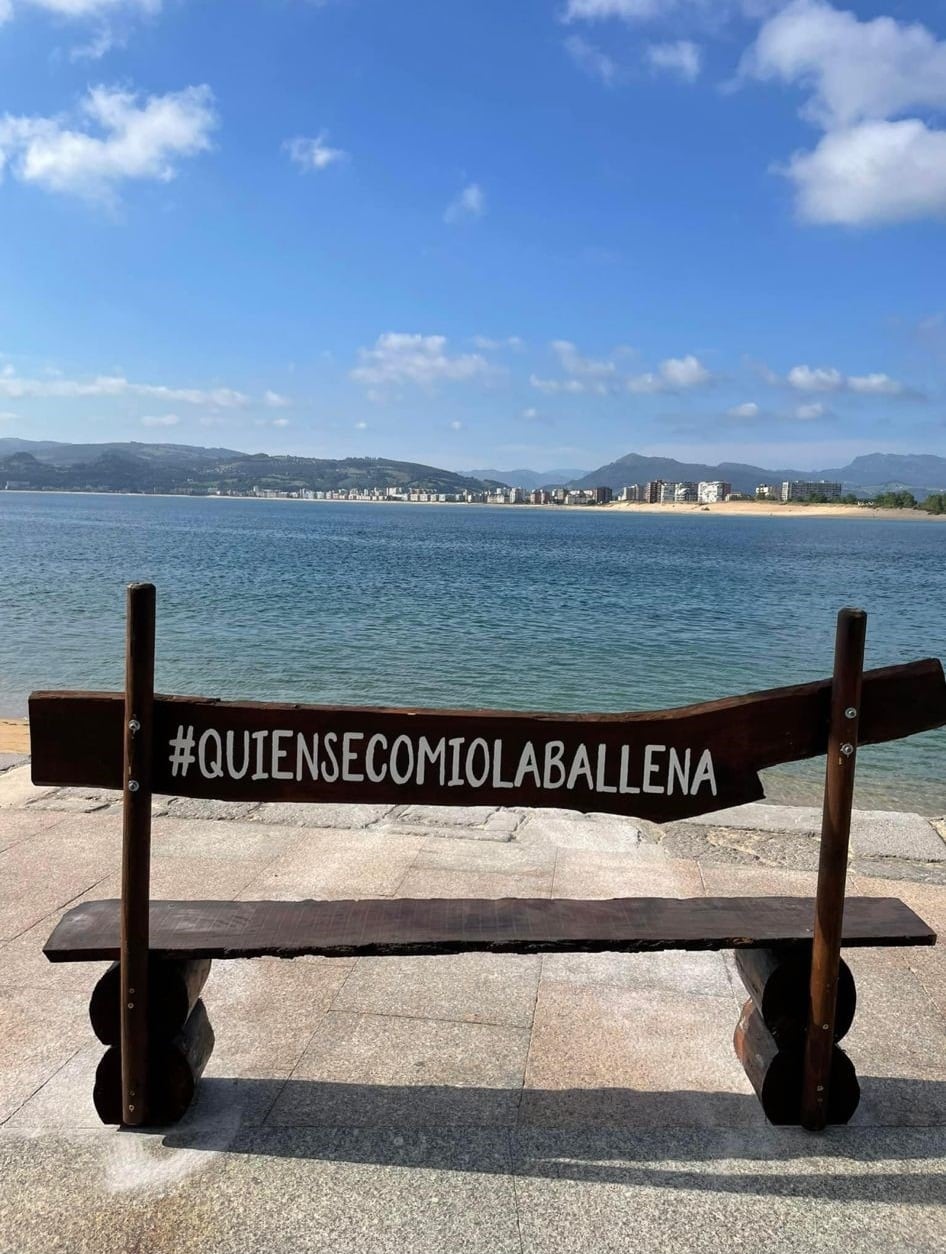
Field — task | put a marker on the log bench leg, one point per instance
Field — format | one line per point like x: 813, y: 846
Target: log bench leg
x: 180, y: 1039
x: 770, y: 1037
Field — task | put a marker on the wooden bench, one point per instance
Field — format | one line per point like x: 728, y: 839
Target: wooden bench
x: 662, y: 765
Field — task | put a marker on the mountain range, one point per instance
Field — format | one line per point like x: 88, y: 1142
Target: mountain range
x: 919, y: 473
x: 140, y: 467
x: 134, y: 467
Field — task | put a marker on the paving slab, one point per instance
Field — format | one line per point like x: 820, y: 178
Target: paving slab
x: 567, y: 829
x: 175, y: 837
x: 484, y: 819
x: 467, y: 988
x: 70, y: 804
x: 604, y: 1056
x: 357, y: 864
x: 874, y: 833
x: 328, y: 1192
x: 203, y: 808
x: 589, y: 874
x: 16, y: 788
x: 730, y: 1191
x: 443, y: 853
x: 265, y: 1012
x: 427, y: 882
x: 188, y: 879
x: 306, y: 814
x: 38, y: 1038
x: 694, y: 974
x: 17, y: 825
x: 379, y: 1070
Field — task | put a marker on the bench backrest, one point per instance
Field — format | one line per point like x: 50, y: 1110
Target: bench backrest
x: 660, y: 766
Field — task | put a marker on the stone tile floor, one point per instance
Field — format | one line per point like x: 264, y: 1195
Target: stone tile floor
x: 472, y: 1103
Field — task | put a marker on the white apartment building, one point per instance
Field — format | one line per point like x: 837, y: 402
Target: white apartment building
x: 711, y: 491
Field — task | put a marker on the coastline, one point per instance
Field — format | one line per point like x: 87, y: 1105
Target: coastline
x: 775, y: 509
x: 721, y: 509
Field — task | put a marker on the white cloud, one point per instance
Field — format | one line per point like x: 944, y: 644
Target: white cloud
x: 682, y: 57
x: 878, y: 172
x: 280, y: 422
x: 873, y: 165
x: 628, y: 10
x: 361, y: 426
x: 137, y: 141
x: 573, y: 363
x: 829, y: 379
x: 855, y: 70
x: 487, y: 342
x: 456, y: 425
x: 876, y: 384
x: 573, y: 386
x: 592, y: 60
x: 809, y: 411
x: 420, y: 359
x: 15, y: 387
x: 78, y: 9
x: 468, y: 205
x: 161, y: 420
x: 101, y: 43
x: 275, y: 400
x: 819, y: 379
x: 674, y: 374
x: 684, y: 372
x: 7, y: 415
x: 314, y: 154
x: 748, y: 409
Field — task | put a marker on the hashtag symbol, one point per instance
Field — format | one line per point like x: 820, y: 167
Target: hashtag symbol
x: 182, y: 751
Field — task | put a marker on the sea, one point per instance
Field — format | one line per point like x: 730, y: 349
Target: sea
x: 472, y: 606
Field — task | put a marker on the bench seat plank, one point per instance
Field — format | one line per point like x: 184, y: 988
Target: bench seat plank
x: 289, y: 929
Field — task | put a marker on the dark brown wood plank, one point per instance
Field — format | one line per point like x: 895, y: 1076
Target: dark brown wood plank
x: 77, y: 739
x: 248, y: 929
x: 843, y: 726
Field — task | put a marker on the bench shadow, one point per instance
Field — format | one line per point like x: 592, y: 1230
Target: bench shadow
x: 617, y: 1136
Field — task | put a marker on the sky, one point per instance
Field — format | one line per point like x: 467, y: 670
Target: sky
x: 476, y: 233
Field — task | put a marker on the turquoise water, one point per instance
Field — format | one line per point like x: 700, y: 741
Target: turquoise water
x: 470, y: 606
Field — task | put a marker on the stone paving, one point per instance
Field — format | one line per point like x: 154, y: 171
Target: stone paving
x: 493, y: 1103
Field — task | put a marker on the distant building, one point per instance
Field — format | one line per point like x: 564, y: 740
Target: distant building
x: 803, y: 490
x: 652, y: 491
x: 602, y: 496
x: 631, y: 493
x: 768, y: 492
x: 686, y: 492
x: 711, y: 491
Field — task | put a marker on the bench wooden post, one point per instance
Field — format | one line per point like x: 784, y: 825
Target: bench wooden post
x: 832, y: 864
x: 136, y: 849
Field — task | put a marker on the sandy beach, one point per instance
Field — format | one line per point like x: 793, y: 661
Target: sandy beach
x: 777, y: 509
x: 14, y: 735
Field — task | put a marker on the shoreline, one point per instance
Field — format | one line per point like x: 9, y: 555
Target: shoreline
x: 719, y: 509
x: 777, y: 509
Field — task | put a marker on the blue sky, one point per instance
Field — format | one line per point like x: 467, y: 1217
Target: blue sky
x: 476, y: 233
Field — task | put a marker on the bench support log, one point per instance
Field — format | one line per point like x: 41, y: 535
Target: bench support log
x: 175, y: 1068
x: 832, y: 866
x: 136, y: 850
x: 173, y: 988
x: 778, y: 981
x: 776, y: 1073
